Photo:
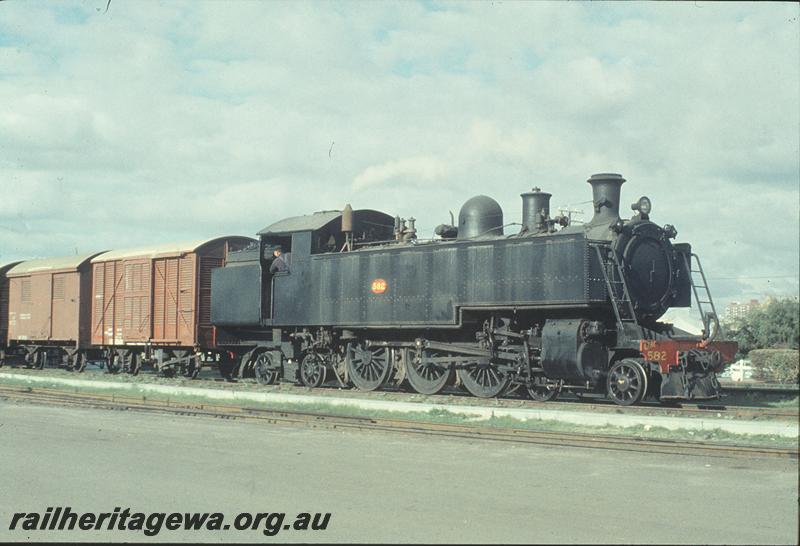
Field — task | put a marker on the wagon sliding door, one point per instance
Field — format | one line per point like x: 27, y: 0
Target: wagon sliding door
x: 174, y: 300
x: 65, y: 290
x: 136, y: 301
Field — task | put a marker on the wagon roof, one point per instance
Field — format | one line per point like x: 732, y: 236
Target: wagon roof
x: 163, y: 250
x: 309, y: 222
x: 61, y: 263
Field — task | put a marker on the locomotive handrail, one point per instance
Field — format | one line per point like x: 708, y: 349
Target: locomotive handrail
x: 709, y: 334
x: 611, y: 292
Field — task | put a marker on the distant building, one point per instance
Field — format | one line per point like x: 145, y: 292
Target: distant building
x: 738, y: 310
x: 738, y: 371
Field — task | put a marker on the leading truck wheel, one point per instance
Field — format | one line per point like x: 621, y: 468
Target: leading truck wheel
x: 626, y: 383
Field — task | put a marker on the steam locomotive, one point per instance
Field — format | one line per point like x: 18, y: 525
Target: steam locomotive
x: 554, y: 306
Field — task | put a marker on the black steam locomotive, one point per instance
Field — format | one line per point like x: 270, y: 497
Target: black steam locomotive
x: 554, y: 306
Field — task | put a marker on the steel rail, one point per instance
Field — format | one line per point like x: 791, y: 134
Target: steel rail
x: 321, y: 420
x: 773, y: 388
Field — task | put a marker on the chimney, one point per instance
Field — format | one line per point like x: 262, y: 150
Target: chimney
x: 605, y: 193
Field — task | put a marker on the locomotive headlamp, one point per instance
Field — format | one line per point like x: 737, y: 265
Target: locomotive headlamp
x: 643, y: 205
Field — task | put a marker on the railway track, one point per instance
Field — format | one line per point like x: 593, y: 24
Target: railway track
x: 768, y: 388
x: 706, y: 409
x: 49, y: 396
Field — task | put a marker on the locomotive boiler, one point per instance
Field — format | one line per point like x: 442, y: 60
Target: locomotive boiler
x: 552, y: 306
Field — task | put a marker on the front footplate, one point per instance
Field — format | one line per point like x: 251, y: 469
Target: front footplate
x: 689, y: 382
x: 688, y: 370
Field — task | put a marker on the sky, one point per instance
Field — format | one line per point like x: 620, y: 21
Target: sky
x: 155, y: 122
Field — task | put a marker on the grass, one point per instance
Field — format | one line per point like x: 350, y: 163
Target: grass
x: 437, y: 415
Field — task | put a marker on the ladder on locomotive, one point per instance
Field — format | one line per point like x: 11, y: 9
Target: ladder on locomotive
x: 694, y: 267
x: 618, y: 291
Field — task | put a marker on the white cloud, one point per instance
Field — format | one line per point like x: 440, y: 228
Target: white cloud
x: 407, y: 171
x: 121, y: 128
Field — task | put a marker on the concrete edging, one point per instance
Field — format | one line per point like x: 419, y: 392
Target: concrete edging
x: 597, y: 419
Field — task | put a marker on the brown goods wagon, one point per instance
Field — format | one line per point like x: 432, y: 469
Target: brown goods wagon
x: 49, y: 303
x: 158, y: 296
x: 4, y: 307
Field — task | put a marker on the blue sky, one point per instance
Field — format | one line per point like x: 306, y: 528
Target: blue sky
x: 162, y: 121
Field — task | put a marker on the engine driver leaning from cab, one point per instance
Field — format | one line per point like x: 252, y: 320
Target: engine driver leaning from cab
x: 279, y: 262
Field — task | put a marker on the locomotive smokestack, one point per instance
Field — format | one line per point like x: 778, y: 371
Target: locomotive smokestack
x: 535, y: 210
x: 605, y: 193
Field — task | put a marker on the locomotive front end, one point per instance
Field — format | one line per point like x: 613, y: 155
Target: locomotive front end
x: 647, y: 274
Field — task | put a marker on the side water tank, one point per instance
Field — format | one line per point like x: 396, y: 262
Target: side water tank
x: 481, y: 216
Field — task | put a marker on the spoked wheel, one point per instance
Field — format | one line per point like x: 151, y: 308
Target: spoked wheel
x: 627, y: 382
x: 313, y: 370
x: 544, y: 393
x: 430, y: 372
x: 368, y: 369
x: 264, y: 371
x: 483, y: 379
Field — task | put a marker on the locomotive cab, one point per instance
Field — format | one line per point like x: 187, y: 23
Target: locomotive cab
x: 238, y: 300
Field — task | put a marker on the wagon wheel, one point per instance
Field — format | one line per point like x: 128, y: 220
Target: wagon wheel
x: 193, y: 369
x: 368, y: 369
x: 126, y: 363
x: 112, y: 364
x: 263, y: 369
x: 544, y: 393
x: 313, y: 370
x: 41, y: 360
x: 430, y: 371
x: 626, y: 383
x: 483, y: 379
x: 77, y: 362
x: 136, y: 364
x: 195, y: 372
